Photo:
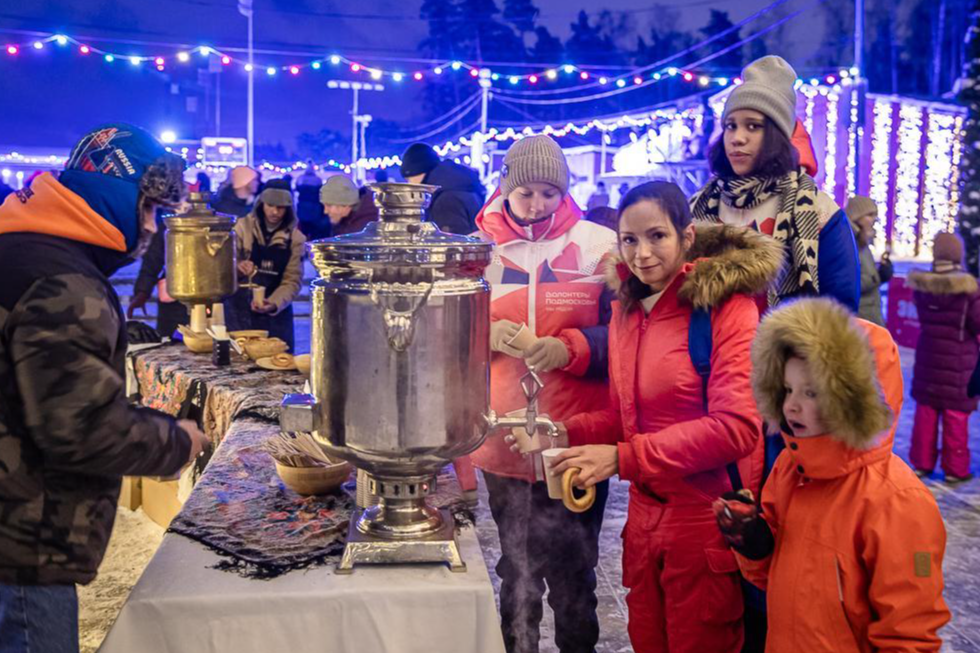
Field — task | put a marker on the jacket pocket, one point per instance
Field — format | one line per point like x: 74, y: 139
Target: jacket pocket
x: 827, y: 622
x: 722, y: 597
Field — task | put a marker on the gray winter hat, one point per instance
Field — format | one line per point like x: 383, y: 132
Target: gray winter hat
x: 339, y: 191
x: 276, y: 197
x: 768, y: 86
x: 534, y: 158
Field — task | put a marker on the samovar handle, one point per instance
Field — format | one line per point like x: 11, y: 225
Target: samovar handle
x: 400, y: 324
x: 216, y: 240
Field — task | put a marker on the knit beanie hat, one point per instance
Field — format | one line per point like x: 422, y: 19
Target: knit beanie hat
x: 860, y: 206
x: 531, y: 159
x: 112, y: 165
x: 419, y: 159
x: 767, y: 87
x: 339, y: 191
x: 242, y: 176
x: 276, y: 197
x: 947, y: 247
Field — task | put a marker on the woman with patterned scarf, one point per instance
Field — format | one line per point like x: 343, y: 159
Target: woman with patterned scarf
x: 758, y: 182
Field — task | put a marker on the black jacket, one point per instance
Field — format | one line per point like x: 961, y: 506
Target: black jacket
x: 459, y: 198
x: 67, y: 432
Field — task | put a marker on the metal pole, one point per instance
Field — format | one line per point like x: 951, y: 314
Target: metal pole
x: 859, y: 37
x: 478, y: 149
x: 217, y: 104
x: 251, y: 93
x: 353, y: 153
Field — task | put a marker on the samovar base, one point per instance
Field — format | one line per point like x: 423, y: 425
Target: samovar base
x: 438, y: 546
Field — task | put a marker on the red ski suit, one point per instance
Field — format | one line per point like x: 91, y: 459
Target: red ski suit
x: 685, y: 593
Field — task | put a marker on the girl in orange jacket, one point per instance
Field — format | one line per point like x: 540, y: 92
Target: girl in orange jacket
x: 664, y: 431
x: 849, y: 543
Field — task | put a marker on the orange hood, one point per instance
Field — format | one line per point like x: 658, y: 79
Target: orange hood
x: 47, y: 207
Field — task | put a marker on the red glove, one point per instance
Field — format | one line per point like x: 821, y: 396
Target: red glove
x: 742, y: 525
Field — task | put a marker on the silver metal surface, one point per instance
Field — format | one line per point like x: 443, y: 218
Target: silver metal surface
x: 399, y: 339
x: 438, y: 546
x: 201, y: 252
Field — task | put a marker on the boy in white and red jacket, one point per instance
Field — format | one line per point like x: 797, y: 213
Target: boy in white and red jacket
x: 546, y: 274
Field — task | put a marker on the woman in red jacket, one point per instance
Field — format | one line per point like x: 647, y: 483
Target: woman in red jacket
x: 676, y: 443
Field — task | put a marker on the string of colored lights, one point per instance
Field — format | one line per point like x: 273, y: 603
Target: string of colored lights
x: 905, y: 225
x: 338, y: 63
x: 852, y: 130
x: 881, y: 158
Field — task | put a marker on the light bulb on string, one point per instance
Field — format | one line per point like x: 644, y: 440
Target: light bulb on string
x: 584, y: 75
x: 397, y: 76
x: 637, y: 80
x: 688, y: 77
x: 620, y: 83
x: 109, y: 58
x: 294, y: 70
x: 474, y: 72
x: 457, y: 65
x: 134, y: 60
x: 315, y: 65
x: 603, y: 81
x: 12, y: 50
x: 437, y: 70
x: 270, y: 71
x: 226, y: 60
x: 334, y: 59
x: 375, y: 74
x: 249, y: 67
x: 533, y: 79
x: 158, y: 61
x: 417, y: 77
x: 61, y: 39
x: 704, y: 81
x: 38, y: 45
x: 569, y: 69
x: 514, y: 79
x: 551, y: 74
x: 183, y: 57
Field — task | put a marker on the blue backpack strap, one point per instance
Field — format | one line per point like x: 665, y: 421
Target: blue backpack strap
x: 699, y: 346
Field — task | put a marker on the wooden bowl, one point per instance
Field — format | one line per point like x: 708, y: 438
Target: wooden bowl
x: 249, y: 334
x: 302, y: 363
x: 264, y: 347
x: 199, y: 343
x: 314, y: 480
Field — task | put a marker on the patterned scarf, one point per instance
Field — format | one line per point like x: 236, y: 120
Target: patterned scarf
x: 797, y: 223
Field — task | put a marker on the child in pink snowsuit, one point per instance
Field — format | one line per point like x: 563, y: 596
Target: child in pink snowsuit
x: 948, y: 303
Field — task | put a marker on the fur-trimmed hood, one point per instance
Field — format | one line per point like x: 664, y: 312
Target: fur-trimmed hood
x: 842, y: 363
x: 727, y: 260
x: 942, y: 283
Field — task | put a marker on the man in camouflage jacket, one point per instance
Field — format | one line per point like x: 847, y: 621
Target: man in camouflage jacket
x: 67, y: 432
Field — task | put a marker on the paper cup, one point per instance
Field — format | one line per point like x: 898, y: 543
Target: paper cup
x: 217, y: 314
x: 258, y: 294
x: 554, y: 482
x: 199, y: 318
x: 522, y: 339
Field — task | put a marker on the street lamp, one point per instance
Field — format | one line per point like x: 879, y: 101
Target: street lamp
x: 358, y: 123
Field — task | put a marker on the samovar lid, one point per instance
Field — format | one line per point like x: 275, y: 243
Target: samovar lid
x: 401, y: 236
x: 199, y: 213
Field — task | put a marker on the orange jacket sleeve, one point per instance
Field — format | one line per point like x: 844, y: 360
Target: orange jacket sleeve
x: 757, y: 571
x: 904, y: 544
x: 604, y: 426
x: 731, y: 429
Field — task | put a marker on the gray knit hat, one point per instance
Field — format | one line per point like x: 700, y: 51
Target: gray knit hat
x: 276, y: 197
x: 534, y: 158
x: 860, y: 206
x: 767, y: 87
x: 339, y: 191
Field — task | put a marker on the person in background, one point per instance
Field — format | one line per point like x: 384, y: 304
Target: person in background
x: 846, y: 541
x: 604, y: 215
x: 863, y: 213
x: 545, y: 275
x: 348, y: 210
x: 381, y: 176
x: 948, y: 304
x: 460, y: 195
x: 68, y: 433
x: 170, y: 312
x: 270, y: 254
x: 202, y: 184
x: 598, y: 199
x: 622, y: 190
x: 309, y: 210
x: 682, y: 438
x: 758, y: 182
x: 236, y: 195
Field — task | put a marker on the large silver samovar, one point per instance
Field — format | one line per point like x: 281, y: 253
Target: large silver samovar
x: 400, y: 371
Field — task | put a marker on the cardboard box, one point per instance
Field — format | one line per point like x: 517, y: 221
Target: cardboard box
x: 160, y: 501
x: 131, y: 494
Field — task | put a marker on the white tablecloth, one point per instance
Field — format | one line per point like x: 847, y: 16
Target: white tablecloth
x: 180, y: 605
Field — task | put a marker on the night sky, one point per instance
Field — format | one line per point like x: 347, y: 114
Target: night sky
x: 53, y: 95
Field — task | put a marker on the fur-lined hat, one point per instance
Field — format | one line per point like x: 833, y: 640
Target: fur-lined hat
x: 842, y: 365
x: 728, y: 260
